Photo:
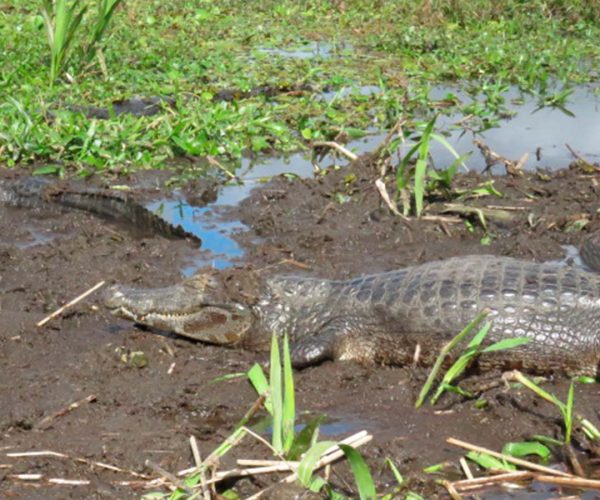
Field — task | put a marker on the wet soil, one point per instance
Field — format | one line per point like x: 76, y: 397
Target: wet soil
x: 130, y: 414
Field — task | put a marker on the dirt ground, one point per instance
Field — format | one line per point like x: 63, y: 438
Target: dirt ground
x: 128, y: 415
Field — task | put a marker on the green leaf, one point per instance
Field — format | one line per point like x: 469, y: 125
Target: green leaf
x: 289, y: 403
x: 488, y: 462
x: 568, y: 413
x: 259, y: 143
x: 444, y: 353
x: 305, y: 438
x: 307, y: 465
x: 525, y: 448
x: 432, y: 469
x: 276, y: 394
x: 307, y: 133
x: 261, y: 385
x: 421, y: 166
x: 317, y: 483
x: 49, y: 170
x: 362, y: 475
x: 395, y: 471
x: 505, y: 344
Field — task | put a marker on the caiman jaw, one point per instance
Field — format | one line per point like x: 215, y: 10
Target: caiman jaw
x: 192, y: 309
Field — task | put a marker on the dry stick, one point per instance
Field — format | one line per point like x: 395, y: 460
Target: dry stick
x: 575, y: 482
x: 329, y: 456
x: 56, y: 454
x: 581, y: 158
x: 481, y: 482
x: 249, y: 462
x: 177, y: 483
x: 69, y: 482
x: 380, y: 185
x: 467, y: 470
x: 213, y: 161
x: 338, y: 147
x: 232, y: 440
x: 576, y: 466
x: 396, y: 129
x: 76, y: 482
x: 451, y: 490
x: 198, y: 462
x: 265, y: 442
x: 508, y: 458
x: 195, y: 451
x: 73, y: 406
x: 72, y: 303
x: 465, y: 467
x: 442, y: 218
x: 26, y: 477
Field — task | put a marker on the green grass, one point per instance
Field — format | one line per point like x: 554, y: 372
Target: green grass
x: 193, y: 49
x: 473, y: 349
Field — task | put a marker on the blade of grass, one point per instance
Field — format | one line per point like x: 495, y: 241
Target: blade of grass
x: 525, y: 448
x: 276, y: 395
x: 307, y: 465
x: 568, y: 413
x: 444, y: 352
x: 421, y: 166
x: 261, y: 385
x: 360, y: 470
x: 289, y: 403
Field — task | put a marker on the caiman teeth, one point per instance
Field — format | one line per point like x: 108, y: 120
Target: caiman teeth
x: 129, y: 314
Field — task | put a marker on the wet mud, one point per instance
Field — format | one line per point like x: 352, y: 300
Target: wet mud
x: 333, y: 226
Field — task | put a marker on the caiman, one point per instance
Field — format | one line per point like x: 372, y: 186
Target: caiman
x: 41, y: 192
x: 382, y: 318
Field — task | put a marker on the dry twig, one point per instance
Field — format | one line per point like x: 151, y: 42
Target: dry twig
x: 73, y: 406
x: 56, y: 454
x: 338, y: 147
x: 60, y: 310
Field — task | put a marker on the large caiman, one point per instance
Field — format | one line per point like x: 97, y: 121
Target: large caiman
x: 390, y: 317
x: 41, y: 192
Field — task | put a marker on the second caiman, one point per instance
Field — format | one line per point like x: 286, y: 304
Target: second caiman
x: 397, y: 317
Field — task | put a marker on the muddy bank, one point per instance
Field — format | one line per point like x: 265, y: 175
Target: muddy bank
x: 333, y: 226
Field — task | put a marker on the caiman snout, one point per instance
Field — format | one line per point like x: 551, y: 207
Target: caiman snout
x: 195, y: 308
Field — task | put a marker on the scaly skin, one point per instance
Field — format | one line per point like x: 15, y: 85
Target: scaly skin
x: 38, y: 192
x: 382, y: 317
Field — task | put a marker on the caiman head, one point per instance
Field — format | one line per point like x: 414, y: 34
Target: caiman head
x: 208, y: 307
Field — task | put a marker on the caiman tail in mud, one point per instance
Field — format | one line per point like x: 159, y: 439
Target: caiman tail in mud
x: 40, y: 192
x: 383, y: 317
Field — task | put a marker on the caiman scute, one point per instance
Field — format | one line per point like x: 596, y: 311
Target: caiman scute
x: 383, y: 317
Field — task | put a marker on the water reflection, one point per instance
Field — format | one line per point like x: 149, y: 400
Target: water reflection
x: 530, y: 130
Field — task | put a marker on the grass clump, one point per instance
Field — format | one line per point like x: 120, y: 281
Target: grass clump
x: 473, y: 349
x: 63, y: 19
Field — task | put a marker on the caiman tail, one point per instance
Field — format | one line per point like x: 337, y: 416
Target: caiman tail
x: 39, y: 192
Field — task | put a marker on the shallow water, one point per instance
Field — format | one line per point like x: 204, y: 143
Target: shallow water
x: 529, y: 130
x: 309, y: 50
